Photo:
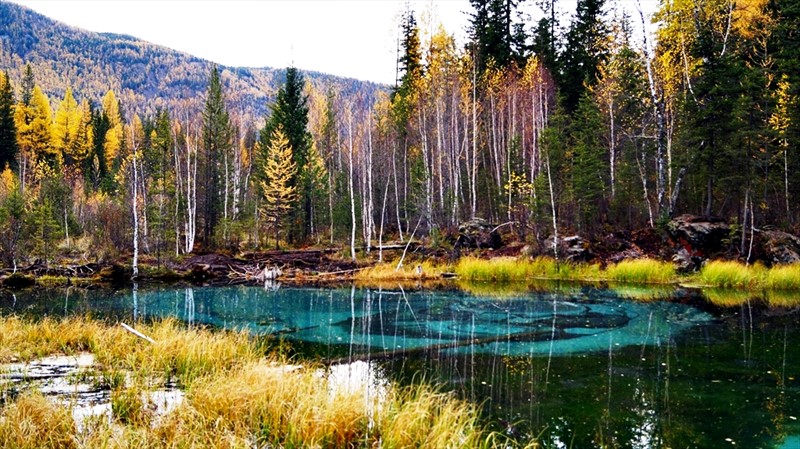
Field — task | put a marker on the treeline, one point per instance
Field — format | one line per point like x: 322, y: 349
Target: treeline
x: 587, y: 126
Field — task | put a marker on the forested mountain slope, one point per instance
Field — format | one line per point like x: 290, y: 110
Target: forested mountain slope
x: 145, y: 76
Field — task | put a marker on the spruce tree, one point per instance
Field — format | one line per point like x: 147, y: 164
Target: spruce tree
x: 8, y: 129
x: 216, y: 140
x: 583, y: 52
x: 28, y: 83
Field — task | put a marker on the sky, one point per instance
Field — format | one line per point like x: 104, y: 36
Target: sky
x: 351, y: 38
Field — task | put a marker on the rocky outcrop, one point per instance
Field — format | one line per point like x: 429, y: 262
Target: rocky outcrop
x: 780, y: 247
x: 698, y: 236
x: 573, y: 248
x: 478, y: 233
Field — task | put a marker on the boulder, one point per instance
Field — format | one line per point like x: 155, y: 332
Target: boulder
x: 699, y: 236
x: 573, y: 248
x: 780, y: 247
x: 478, y: 233
x: 685, y: 262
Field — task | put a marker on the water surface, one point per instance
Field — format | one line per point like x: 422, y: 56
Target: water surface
x: 575, y: 366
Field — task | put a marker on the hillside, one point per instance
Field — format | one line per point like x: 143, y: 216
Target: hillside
x: 145, y: 76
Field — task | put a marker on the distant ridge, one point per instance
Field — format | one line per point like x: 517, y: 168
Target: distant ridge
x: 144, y: 76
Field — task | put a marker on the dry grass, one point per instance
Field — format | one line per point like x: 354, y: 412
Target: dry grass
x: 32, y: 421
x: 388, y: 272
x: 236, y: 397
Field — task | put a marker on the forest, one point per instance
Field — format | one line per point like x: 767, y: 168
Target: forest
x: 582, y: 127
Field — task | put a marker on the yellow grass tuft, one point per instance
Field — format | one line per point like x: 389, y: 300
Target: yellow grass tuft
x: 32, y: 421
x: 388, y: 271
x: 641, y: 271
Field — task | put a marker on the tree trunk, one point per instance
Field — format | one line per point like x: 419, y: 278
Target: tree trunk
x: 352, y: 195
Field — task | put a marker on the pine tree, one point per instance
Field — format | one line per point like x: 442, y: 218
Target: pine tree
x: 216, y: 140
x: 276, y: 184
x: 8, y: 129
x: 290, y: 114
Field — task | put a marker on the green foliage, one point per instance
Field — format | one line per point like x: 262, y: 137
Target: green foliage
x: 290, y: 115
x: 583, y: 52
x: 216, y: 135
x: 589, y: 166
x: 8, y: 128
x: 12, y: 218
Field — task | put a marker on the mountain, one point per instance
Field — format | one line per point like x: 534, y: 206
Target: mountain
x: 144, y: 76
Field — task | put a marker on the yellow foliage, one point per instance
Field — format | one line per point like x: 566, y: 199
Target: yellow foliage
x: 34, y: 122
x: 8, y: 182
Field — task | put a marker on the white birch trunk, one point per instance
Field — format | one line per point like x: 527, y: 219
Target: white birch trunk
x: 352, y: 195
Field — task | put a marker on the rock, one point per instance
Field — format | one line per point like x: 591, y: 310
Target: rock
x: 780, y: 247
x: 478, y: 233
x: 685, y: 262
x: 631, y: 253
x: 699, y: 236
x: 573, y: 248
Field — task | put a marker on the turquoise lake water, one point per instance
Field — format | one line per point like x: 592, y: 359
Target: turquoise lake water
x: 576, y: 366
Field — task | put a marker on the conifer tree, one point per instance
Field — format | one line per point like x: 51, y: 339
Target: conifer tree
x: 66, y: 125
x: 216, y: 140
x: 8, y: 129
x: 34, y: 129
x: 290, y: 114
x: 276, y: 184
x: 583, y: 53
x: 28, y: 83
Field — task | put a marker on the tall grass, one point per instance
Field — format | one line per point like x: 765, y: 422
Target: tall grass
x: 730, y: 274
x: 510, y: 269
x: 32, y: 421
x: 501, y: 269
x: 388, y: 271
x: 236, y: 397
x: 641, y: 271
x: 783, y: 277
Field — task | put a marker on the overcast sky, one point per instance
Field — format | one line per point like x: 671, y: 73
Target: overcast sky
x: 355, y: 38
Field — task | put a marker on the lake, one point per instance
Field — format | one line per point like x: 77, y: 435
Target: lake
x: 576, y: 366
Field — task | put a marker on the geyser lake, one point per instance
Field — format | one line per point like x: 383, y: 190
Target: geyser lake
x: 575, y: 366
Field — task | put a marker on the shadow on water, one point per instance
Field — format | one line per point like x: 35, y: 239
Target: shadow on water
x: 576, y: 365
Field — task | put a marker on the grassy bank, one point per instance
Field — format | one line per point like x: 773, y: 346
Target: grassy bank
x: 718, y: 274
x: 236, y: 396
x: 505, y: 269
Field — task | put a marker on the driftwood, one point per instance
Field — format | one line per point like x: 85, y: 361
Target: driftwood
x: 39, y: 268
x: 137, y: 333
x: 255, y: 273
